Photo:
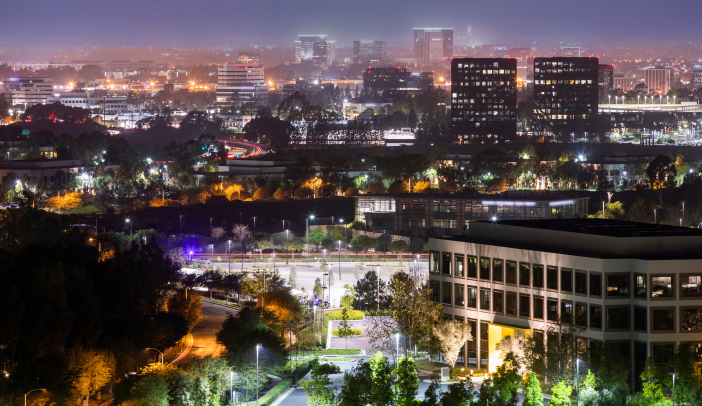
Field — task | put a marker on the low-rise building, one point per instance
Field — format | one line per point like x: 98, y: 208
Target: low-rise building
x: 452, y: 213
x: 634, y: 286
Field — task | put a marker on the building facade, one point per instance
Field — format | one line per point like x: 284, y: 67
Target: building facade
x: 315, y: 49
x: 29, y: 91
x: 452, y: 214
x: 634, y: 286
x: 625, y: 83
x: 605, y: 77
x: 433, y: 45
x: 484, y: 100
x: 696, y: 78
x: 240, y: 82
x: 396, y: 81
x: 369, y: 53
x: 658, y: 79
x: 566, y: 94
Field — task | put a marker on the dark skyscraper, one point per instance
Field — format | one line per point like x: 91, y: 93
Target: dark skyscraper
x: 565, y: 94
x: 369, y: 52
x: 696, y: 80
x: 606, y: 77
x: 484, y: 100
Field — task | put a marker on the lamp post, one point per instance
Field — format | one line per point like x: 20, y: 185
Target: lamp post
x: 157, y: 352
x: 257, y: 347
x: 673, y: 374
x: 339, y: 259
x: 25, y: 395
x: 231, y: 385
x: 346, y: 249
x: 254, y: 224
x: 212, y: 254
x: 397, y: 351
x: 128, y: 221
x: 229, y: 255
x: 314, y: 326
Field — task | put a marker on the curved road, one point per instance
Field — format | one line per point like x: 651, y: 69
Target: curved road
x: 257, y: 148
x: 204, y: 342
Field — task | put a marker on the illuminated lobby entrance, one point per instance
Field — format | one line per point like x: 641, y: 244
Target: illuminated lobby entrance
x: 496, y: 333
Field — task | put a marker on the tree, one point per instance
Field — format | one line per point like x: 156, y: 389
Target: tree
x: 232, y: 189
x: 357, y: 383
x: 217, y: 232
x: 319, y: 388
x: 661, y: 173
x: 413, y: 309
x: 381, y: 387
x: 407, y: 381
x: 412, y: 119
x: 532, y: 392
x: 652, y: 388
x: 67, y: 201
x: 458, y: 394
x: 365, y: 242
x: 317, y: 289
x: 561, y: 394
x: 398, y: 246
x: 292, y: 278
x: 453, y: 335
x: 370, y: 292
x: 150, y: 389
x: 317, y: 236
x: 517, y: 346
x: 344, y: 328
x: 507, y: 380
x: 349, y: 297
x: 188, y: 307
x: 612, y: 211
x: 487, y: 394
x: 88, y: 371
x: 250, y: 327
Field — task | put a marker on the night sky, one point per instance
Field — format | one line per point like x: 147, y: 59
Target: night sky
x: 221, y: 23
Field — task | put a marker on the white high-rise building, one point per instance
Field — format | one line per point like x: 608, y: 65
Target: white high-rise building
x: 432, y: 45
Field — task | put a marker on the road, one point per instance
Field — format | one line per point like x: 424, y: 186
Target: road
x: 204, y: 342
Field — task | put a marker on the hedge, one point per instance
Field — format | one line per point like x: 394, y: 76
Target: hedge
x: 336, y: 315
x: 275, y: 391
x: 301, y: 371
x: 354, y: 332
x: 350, y: 351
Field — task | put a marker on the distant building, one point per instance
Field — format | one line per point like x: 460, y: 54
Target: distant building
x: 239, y: 82
x: 100, y: 105
x: 484, y: 99
x: 433, y: 45
x: 525, y: 58
x: 452, y: 213
x: 369, y: 52
x: 248, y: 58
x: 315, y: 49
x: 29, y: 91
x: 395, y: 81
x: 625, y: 83
x: 605, y: 78
x: 658, y: 79
x: 696, y: 78
x: 566, y: 94
x: 307, y: 87
x: 568, y: 52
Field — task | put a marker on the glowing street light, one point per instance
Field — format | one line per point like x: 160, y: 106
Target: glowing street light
x: 158, y: 352
x: 25, y: 395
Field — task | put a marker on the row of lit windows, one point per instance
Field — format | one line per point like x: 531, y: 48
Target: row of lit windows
x: 484, y: 113
x: 485, y: 83
x: 563, y: 82
x: 479, y: 65
x: 485, y: 120
x: 488, y: 71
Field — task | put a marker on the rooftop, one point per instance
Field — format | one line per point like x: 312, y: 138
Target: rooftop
x: 596, y: 238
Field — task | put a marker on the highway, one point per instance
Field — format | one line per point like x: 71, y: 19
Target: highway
x: 204, y: 342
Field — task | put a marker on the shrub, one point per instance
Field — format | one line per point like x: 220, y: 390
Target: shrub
x: 275, y: 391
x: 301, y: 370
x: 336, y: 315
x: 354, y: 332
x: 351, y: 351
x: 325, y: 369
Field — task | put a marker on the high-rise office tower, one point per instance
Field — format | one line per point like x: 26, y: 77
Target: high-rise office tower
x: 29, y: 91
x: 314, y: 49
x: 433, y: 45
x: 369, y: 52
x: 605, y: 78
x: 523, y: 56
x: 484, y: 99
x: 400, y: 82
x: 566, y: 94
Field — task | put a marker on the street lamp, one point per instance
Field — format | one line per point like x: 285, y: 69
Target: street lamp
x: 397, y: 350
x: 229, y: 255
x: 287, y: 241
x: 673, y: 374
x: 339, y: 259
x: 314, y: 326
x: 25, y: 395
x: 158, y: 352
x: 346, y: 249
x: 130, y: 225
x: 257, y: 347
